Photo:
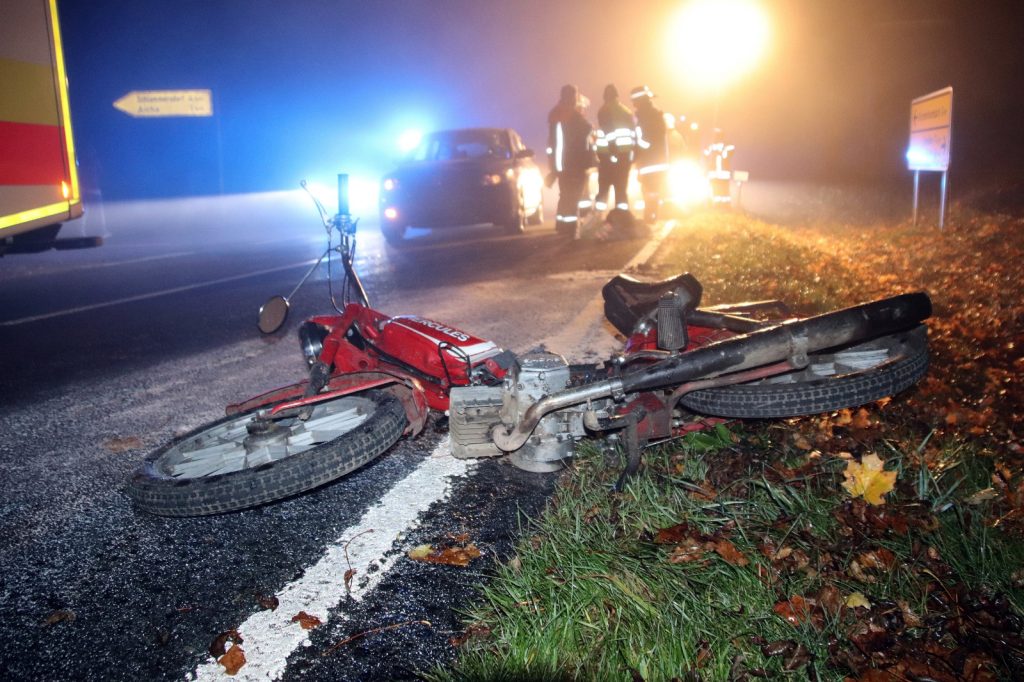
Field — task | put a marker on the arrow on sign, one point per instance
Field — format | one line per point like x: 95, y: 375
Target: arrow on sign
x: 157, y: 103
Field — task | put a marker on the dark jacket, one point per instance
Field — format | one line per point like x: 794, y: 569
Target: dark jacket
x: 651, y: 137
x: 569, y: 141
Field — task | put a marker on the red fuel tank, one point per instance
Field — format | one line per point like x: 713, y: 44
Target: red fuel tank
x: 423, y: 343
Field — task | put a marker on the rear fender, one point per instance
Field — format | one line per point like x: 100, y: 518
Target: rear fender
x: 407, y: 389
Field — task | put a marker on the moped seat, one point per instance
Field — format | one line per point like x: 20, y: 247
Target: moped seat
x: 627, y: 300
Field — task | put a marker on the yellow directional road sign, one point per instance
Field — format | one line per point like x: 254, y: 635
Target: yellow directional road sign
x: 156, y: 103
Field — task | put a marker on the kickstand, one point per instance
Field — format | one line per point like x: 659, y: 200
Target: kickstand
x: 632, y: 450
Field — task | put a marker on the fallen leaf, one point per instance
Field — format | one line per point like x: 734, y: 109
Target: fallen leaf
x: 982, y: 495
x: 349, y: 574
x: 420, y: 552
x: 448, y: 556
x: 219, y: 644
x: 728, y: 551
x: 307, y: 621
x: 474, y: 631
x: 861, y: 420
x: 233, y: 660
x: 857, y: 599
x: 691, y: 551
x: 673, y: 534
x: 868, y: 479
x: 119, y: 444
x: 794, y: 610
x: 266, y: 602
x: 60, y: 616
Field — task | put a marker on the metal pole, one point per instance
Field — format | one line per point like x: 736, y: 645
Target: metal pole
x: 343, y: 194
x: 942, y: 201
x: 917, y: 176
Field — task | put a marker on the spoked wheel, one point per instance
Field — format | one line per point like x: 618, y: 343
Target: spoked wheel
x: 236, y: 462
x: 844, y: 377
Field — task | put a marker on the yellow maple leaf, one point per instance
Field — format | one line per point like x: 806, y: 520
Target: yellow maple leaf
x: 857, y: 599
x: 868, y: 479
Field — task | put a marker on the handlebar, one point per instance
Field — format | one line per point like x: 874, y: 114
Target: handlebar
x: 341, y: 221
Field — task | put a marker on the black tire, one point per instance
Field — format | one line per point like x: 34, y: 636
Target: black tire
x: 812, y: 390
x: 155, y: 490
x: 393, y: 234
x: 515, y: 223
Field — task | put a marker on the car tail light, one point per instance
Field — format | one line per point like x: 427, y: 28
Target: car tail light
x: 491, y: 179
x: 391, y: 213
x: 390, y: 184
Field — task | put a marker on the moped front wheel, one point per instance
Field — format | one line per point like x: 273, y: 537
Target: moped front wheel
x: 837, y: 378
x: 227, y: 465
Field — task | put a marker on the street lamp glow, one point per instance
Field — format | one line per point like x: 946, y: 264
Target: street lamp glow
x: 713, y: 42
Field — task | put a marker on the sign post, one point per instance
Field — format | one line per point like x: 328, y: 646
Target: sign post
x: 931, y: 133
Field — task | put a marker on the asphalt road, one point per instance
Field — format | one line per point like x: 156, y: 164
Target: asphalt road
x: 108, y: 353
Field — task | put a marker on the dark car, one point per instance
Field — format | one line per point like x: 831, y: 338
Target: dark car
x: 463, y: 177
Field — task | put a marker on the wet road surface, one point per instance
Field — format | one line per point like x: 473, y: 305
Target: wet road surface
x: 110, y: 352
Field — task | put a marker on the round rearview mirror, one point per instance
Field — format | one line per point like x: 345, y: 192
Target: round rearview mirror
x: 273, y: 313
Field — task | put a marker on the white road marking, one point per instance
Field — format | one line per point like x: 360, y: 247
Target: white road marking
x: 270, y: 636
x: 587, y: 336
x: 154, y: 294
x: 105, y: 264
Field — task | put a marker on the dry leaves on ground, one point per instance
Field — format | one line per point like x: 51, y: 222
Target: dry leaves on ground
x: 447, y: 555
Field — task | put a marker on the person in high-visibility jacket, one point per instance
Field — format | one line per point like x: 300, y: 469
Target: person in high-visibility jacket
x: 571, y: 156
x: 651, y: 149
x: 615, y: 142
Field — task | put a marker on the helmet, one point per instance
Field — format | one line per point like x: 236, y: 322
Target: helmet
x: 640, y: 91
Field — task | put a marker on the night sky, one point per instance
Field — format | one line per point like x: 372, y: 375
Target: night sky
x: 308, y: 88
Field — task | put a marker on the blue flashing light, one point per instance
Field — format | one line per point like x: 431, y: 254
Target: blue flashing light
x: 409, y: 140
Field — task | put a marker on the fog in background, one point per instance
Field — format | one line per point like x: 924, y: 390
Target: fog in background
x: 308, y: 88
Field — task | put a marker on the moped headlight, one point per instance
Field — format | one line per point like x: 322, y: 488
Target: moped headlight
x: 311, y: 340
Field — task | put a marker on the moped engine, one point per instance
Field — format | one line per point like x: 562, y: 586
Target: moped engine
x: 474, y: 410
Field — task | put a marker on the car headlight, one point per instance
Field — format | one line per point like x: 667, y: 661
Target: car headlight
x: 311, y: 340
x: 390, y: 184
x: 530, y: 179
x: 491, y: 179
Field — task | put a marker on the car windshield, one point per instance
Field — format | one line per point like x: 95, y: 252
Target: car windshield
x: 462, y: 144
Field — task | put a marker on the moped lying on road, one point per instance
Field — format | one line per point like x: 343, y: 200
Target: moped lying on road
x: 374, y: 377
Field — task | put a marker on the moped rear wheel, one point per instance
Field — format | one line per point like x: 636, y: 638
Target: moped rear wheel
x: 222, y: 466
x: 854, y: 375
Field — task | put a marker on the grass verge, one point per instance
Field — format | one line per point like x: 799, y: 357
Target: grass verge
x: 727, y: 558
x: 738, y: 555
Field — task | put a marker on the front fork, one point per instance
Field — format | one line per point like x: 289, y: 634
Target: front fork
x: 319, y: 373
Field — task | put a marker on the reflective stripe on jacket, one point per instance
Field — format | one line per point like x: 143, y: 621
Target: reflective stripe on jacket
x: 616, y: 135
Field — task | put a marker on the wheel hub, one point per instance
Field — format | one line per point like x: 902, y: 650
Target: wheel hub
x: 264, y: 432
